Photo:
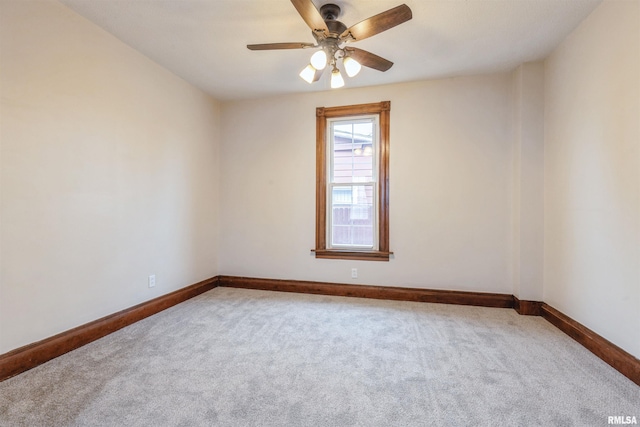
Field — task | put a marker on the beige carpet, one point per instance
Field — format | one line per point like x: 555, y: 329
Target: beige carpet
x: 234, y: 357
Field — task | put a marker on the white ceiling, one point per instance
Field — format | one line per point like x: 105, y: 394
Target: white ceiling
x: 204, y: 41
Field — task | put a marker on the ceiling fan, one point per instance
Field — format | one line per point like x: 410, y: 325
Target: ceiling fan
x: 332, y: 37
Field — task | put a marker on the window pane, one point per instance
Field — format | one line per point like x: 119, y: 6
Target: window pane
x: 352, y: 216
x: 353, y: 153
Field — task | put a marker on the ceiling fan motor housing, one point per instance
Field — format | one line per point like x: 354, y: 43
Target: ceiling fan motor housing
x: 335, y: 28
x: 330, y: 13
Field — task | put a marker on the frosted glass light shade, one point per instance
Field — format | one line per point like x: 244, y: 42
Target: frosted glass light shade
x: 336, y: 79
x: 319, y: 60
x: 308, y: 74
x: 351, y: 66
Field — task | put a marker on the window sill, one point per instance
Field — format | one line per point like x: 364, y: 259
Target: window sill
x: 352, y: 255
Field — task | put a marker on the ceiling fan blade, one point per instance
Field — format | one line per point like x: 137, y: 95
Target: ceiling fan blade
x: 378, y: 23
x: 311, y: 15
x: 368, y: 59
x: 272, y: 46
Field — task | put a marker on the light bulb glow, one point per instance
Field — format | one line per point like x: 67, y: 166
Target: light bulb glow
x: 351, y: 66
x: 336, y: 79
x: 308, y: 74
x: 319, y: 60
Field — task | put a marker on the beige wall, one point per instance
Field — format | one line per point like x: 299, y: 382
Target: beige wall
x: 450, y: 188
x: 592, y: 174
x: 108, y: 174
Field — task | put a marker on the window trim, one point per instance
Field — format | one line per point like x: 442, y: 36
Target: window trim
x: 383, y: 253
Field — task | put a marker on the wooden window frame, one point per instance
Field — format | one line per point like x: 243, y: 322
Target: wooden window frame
x: 382, y: 109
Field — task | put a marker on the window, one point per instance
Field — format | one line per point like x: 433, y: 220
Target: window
x: 352, y: 148
x: 352, y: 182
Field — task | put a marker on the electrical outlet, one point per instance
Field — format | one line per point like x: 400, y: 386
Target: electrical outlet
x: 152, y: 280
x: 354, y: 273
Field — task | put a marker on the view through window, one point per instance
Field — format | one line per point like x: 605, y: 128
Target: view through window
x: 354, y: 148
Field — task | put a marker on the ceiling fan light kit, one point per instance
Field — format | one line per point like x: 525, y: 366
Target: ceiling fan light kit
x: 319, y: 60
x: 308, y: 74
x: 351, y: 66
x: 336, y: 78
x: 332, y: 36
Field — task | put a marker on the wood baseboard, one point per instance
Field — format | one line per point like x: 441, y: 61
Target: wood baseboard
x: 32, y: 355
x: 623, y: 362
x: 376, y: 292
x: 527, y: 308
x: 24, y: 358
